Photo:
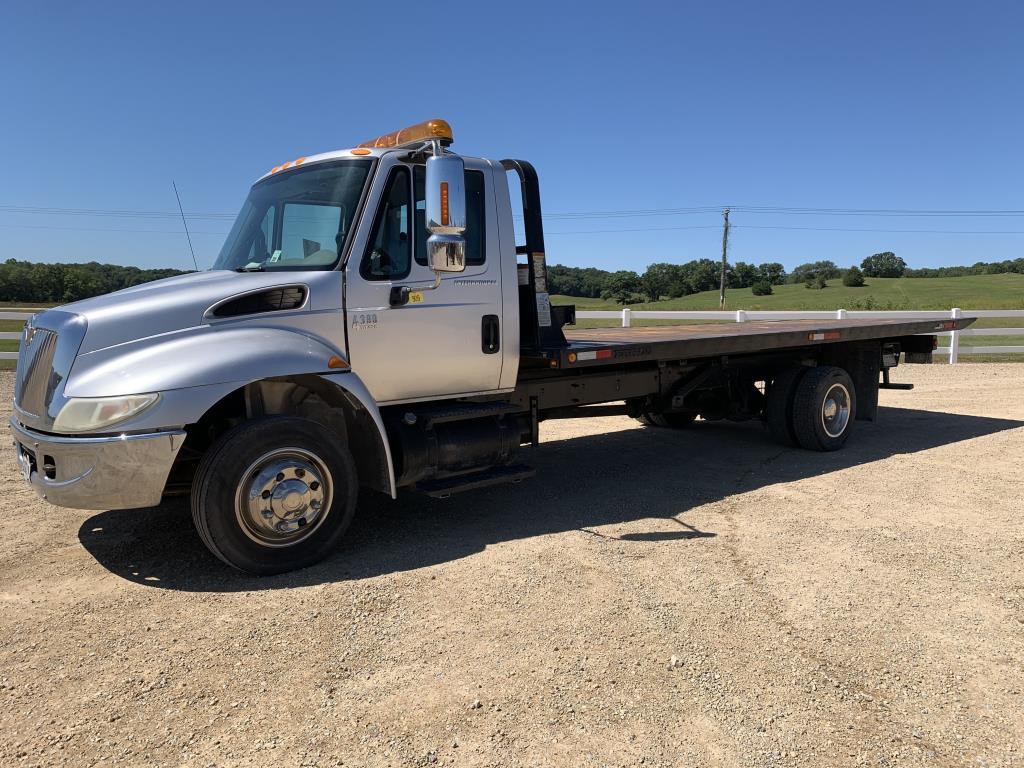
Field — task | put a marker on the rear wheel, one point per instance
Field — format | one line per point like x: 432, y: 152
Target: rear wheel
x: 274, y: 494
x: 824, y: 408
x: 779, y: 405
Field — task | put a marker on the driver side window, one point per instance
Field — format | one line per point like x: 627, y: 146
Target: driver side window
x: 389, y: 253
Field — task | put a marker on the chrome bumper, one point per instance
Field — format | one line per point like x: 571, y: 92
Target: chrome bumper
x: 120, y: 472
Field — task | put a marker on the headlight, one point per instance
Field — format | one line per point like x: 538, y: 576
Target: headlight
x: 91, y: 414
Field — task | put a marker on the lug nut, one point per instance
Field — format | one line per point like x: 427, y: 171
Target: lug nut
x: 302, y: 521
x: 265, y: 494
x: 267, y: 513
x: 300, y: 473
x: 314, y: 485
x: 280, y: 476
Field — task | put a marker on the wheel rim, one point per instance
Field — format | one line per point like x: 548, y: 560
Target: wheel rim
x: 283, y: 497
x: 835, y: 410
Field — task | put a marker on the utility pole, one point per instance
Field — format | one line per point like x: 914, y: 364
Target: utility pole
x: 725, y: 249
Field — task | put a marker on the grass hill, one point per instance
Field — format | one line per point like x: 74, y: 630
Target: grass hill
x: 971, y: 292
x: 882, y: 293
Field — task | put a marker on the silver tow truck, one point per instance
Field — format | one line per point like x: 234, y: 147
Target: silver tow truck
x: 372, y: 323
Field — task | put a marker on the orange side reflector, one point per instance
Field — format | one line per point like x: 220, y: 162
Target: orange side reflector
x: 444, y: 203
x: 336, y: 362
x: 360, y: 151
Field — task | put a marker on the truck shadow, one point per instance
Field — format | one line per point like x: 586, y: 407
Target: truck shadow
x: 582, y: 484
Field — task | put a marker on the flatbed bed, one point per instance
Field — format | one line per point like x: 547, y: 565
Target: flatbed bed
x: 596, y: 347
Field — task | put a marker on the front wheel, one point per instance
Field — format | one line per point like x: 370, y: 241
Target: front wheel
x: 274, y: 494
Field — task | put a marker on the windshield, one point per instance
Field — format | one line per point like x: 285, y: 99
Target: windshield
x: 296, y: 220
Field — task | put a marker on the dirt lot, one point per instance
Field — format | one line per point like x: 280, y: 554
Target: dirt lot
x: 700, y: 597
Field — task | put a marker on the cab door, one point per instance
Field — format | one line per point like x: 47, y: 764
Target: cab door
x: 444, y: 342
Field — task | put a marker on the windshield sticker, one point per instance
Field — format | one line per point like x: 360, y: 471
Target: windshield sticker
x: 543, y: 310
x: 539, y: 275
x: 275, y: 256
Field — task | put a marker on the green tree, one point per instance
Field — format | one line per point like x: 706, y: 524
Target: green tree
x: 772, y: 272
x: 817, y: 282
x: 761, y: 288
x: 662, y: 279
x: 853, y: 278
x: 623, y: 287
x: 810, y: 271
x: 701, y: 275
x: 743, y: 275
x: 885, y: 264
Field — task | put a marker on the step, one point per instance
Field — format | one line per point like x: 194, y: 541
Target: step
x: 445, y: 487
x: 447, y: 412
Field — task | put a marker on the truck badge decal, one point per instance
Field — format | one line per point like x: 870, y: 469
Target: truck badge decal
x: 364, y: 321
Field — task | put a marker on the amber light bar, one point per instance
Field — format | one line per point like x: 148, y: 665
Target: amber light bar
x: 425, y: 131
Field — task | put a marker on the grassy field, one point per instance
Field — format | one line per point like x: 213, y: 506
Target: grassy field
x: 973, y: 292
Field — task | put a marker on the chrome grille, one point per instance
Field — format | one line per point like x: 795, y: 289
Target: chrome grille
x: 35, y: 381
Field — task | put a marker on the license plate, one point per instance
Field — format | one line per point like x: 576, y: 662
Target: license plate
x: 25, y: 464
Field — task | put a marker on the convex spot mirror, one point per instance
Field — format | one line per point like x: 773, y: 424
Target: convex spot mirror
x: 446, y: 213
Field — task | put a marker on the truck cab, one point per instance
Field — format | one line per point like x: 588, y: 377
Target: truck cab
x: 372, y: 324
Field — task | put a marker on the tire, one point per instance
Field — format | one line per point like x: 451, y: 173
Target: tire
x: 255, y: 505
x: 676, y: 420
x: 824, y: 409
x: 779, y: 405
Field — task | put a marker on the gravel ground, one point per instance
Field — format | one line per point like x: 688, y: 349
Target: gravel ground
x: 700, y: 597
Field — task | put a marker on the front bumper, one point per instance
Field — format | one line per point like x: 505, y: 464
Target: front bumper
x: 120, y: 472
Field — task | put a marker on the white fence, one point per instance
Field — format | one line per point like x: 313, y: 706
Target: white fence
x: 954, y: 350
x: 627, y: 315
x: 16, y: 336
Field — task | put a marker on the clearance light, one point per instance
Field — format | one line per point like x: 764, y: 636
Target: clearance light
x: 596, y: 354
x: 360, y: 151
x: 826, y: 336
x: 289, y: 164
x: 425, y: 131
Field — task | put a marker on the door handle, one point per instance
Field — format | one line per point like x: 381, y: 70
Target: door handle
x: 399, y: 295
x: 490, y: 334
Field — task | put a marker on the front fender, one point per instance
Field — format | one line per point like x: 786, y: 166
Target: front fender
x: 354, y: 386
x: 198, y: 357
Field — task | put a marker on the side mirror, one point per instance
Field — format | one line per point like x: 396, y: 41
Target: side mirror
x: 446, y: 213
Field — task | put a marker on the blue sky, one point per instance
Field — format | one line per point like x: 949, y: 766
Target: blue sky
x: 622, y: 107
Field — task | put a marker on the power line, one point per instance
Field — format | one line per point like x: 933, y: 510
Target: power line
x: 108, y: 229
x: 111, y: 212
x: 576, y: 232
x: 568, y: 216
x: 637, y: 229
x: 909, y: 231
